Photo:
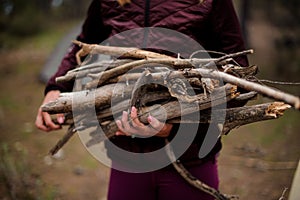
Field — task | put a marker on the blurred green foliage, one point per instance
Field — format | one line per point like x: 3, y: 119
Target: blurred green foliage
x: 284, y: 17
x: 16, y: 178
x: 19, y: 18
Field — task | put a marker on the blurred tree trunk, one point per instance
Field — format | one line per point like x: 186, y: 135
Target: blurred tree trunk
x: 244, y: 17
x: 76, y: 9
x: 43, y: 6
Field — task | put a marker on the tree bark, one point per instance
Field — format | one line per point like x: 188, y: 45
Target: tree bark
x: 88, y: 98
x: 251, y: 86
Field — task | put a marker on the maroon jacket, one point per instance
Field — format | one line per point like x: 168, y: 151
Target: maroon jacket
x: 213, y: 24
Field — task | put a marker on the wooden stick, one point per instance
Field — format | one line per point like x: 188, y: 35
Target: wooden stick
x: 173, y: 109
x: 104, y: 76
x: 176, y: 109
x: 186, y: 175
x: 83, y: 71
x: 127, y: 52
x: 88, y: 99
x: 106, y: 91
x: 251, y: 86
x: 253, y: 114
x: 235, y: 117
x: 240, y: 116
x: 160, y: 77
x: 131, y: 52
x: 155, y: 96
x: 63, y: 140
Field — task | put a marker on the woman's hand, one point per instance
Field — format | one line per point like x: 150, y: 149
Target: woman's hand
x: 133, y: 126
x: 43, y: 119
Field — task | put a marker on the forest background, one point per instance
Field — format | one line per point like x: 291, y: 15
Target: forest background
x: 258, y: 161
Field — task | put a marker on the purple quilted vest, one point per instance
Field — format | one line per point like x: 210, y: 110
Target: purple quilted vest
x: 187, y: 17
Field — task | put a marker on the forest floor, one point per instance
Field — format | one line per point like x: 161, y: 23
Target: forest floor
x: 258, y: 161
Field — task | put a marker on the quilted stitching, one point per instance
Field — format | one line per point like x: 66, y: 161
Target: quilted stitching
x: 185, y: 16
x: 160, y: 13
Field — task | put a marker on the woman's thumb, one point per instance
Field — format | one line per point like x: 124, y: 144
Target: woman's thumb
x: 154, y: 122
x: 60, y: 118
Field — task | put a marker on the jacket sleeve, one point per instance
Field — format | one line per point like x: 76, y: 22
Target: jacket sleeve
x: 93, y: 32
x: 227, y: 29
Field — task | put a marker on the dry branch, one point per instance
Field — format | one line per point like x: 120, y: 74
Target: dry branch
x: 88, y: 98
x: 174, y: 63
x: 106, y: 75
x: 103, y: 95
x: 251, y: 86
x: 234, y: 117
x: 71, y: 131
x: 176, y: 109
x: 114, y: 51
x: 130, y: 52
x: 186, y: 175
x: 93, y: 68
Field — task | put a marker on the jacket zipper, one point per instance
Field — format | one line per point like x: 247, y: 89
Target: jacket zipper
x: 147, y: 13
x: 146, y: 23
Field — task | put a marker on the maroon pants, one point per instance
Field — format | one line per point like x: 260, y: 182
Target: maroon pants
x: 163, y: 184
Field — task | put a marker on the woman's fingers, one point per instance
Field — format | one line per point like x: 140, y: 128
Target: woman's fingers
x: 129, y: 126
x: 60, y: 118
x: 49, y: 123
x: 125, y: 122
x: 135, y: 120
x: 162, y: 129
x: 124, y: 125
x: 45, y: 123
x: 121, y: 130
x: 43, y: 119
x: 39, y: 122
x: 133, y: 126
x: 155, y: 124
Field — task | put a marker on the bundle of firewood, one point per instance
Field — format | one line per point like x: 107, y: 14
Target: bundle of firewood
x: 170, y: 89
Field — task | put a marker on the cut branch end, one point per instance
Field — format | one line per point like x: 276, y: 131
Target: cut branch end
x: 277, y: 109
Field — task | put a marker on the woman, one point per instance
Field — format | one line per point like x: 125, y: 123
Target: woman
x: 211, y: 23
